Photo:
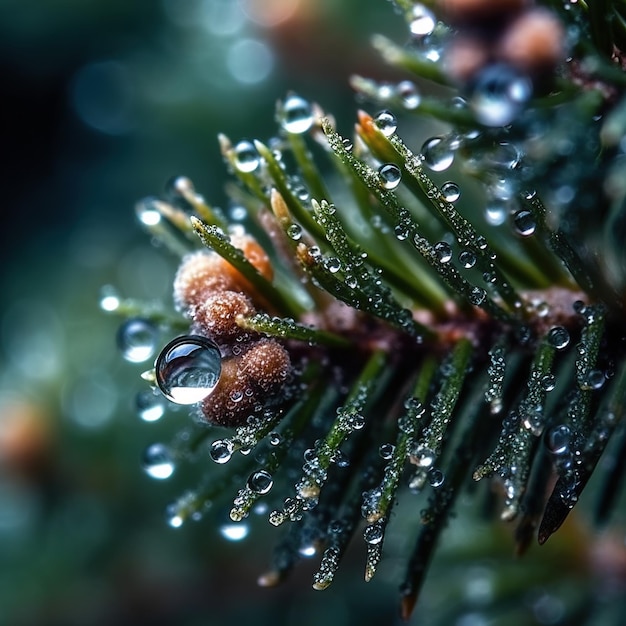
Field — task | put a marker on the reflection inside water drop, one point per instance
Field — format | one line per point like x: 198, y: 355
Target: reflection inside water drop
x: 188, y: 369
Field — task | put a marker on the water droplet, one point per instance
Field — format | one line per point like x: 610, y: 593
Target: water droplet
x: 179, y: 186
x: 548, y: 382
x: 296, y: 115
x: 443, y: 251
x: 150, y: 405
x: 147, y: 213
x: 505, y: 155
x: 373, y: 533
x: 525, y: 222
x: 157, y: 461
x: 558, y: 337
x: 425, y: 457
x: 275, y: 438
x: 498, y: 95
x: 188, y: 369
x: 408, y: 94
x: 558, y: 439
x: 260, y: 482
x: 333, y: 265
x: 221, y: 450
x: 294, y: 231
x: 437, y: 154
x: 450, y: 191
x: 389, y: 175
x: 136, y: 338
x: 234, y: 531
x: 436, y: 477
x: 384, y: 92
x: 109, y: 299
x: 173, y: 517
x: 386, y: 450
x: 477, y: 296
x: 467, y: 259
x: 347, y: 144
x: 496, y: 212
x: 247, y: 158
x: 237, y: 213
x: 422, y: 21
x: 386, y: 123
x: 594, y: 379
x: 307, y: 550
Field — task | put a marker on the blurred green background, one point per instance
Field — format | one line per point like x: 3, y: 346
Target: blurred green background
x: 103, y: 102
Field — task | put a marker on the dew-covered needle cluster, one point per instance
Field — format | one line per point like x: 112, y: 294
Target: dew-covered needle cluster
x: 384, y: 313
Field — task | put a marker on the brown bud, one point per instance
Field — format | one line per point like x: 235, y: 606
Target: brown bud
x: 232, y: 400
x: 247, y: 382
x: 534, y: 42
x: 200, y: 274
x: 217, y: 314
x: 266, y: 365
x: 254, y: 252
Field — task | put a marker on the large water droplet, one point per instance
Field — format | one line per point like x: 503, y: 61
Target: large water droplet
x: 247, y: 158
x: 188, y: 369
x: 390, y: 175
x: 296, y: 115
x: 437, y: 154
x: 450, y: 191
x: 136, y: 338
x: 157, y: 461
x: 499, y: 94
x: 386, y: 122
x: 150, y: 405
x: 260, y: 482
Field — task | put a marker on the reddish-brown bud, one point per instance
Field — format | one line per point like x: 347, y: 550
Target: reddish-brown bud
x: 266, y: 365
x: 216, y: 316
x: 247, y: 382
x: 200, y: 274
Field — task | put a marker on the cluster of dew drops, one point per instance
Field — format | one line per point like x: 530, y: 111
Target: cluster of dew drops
x: 188, y: 368
x: 495, y: 101
x: 438, y: 154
